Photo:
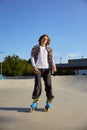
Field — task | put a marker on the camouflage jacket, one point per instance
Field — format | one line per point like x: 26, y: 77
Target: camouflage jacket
x: 35, y: 51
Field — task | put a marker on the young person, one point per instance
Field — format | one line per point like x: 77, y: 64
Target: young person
x: 43, y: 65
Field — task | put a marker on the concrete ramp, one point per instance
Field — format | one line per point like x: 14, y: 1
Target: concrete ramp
x: 68, y: 112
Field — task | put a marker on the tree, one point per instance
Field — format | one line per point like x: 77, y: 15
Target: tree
x: 15, y: 66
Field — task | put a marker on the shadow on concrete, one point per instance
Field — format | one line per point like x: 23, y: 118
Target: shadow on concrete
x: 25, y: 110
x: 15, y: 109
x: 40, y: 109
x: 20, y: 77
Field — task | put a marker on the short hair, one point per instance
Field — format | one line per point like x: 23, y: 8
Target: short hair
x: 48, y: 41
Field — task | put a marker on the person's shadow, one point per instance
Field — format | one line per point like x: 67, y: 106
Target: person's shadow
x: 25, y: 110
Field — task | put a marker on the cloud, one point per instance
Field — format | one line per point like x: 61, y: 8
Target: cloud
x: 64, y: 58
x: 72, y: 55
x: 56, y: 56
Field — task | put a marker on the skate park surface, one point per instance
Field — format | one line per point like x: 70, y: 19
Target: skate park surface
x: 68, y: 112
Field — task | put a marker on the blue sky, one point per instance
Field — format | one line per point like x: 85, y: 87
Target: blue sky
x: 22, y: 22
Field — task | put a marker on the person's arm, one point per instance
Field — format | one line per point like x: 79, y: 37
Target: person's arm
x: 34, y: 65
x: 54, y: 69
x: 33, y: 61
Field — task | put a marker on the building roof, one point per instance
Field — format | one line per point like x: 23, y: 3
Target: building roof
x: 77, y: 60
x: 75, y: 63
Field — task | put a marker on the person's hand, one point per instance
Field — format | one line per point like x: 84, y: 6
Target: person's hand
x: 35, y: 69
x: 54, y: 69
